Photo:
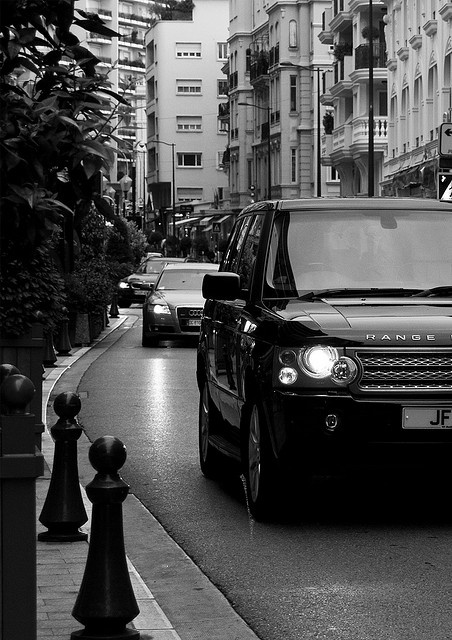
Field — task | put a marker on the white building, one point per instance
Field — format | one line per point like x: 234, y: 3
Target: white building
x: 184, y: 85
x: 279, y: 67
x: 411, y: 96
x: 419, y: 47
x: 124, y: 60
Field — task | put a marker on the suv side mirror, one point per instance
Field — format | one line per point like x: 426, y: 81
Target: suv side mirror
x: 221, y: 286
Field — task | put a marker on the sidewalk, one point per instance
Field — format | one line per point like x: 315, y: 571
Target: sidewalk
x: 189, y: 606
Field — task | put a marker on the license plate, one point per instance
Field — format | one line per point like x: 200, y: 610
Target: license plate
x: 427, y: 418
x: 194, y: 323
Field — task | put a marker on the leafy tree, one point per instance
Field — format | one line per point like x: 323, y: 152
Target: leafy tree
x: 55, y: 128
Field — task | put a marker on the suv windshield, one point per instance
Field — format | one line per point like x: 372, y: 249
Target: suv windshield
x: 312, y: 250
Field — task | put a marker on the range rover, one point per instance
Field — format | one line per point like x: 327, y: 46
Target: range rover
x: 326, y: 342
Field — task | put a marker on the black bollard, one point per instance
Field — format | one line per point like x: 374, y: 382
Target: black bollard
x: 50, y: 356
x: 114, y: 311
x: 63, y: 344
x: 63, y: 511
x: 106, y: 602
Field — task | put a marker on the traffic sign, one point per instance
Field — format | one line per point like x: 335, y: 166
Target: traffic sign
x: 216, y: 227
x: 445, y: 139
x: 445, y: 187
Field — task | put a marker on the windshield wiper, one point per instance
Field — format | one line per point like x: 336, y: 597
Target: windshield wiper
x: 434, y: 291
x: 318, y: 294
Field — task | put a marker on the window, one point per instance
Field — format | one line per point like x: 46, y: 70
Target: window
x: 189, y: 124
x: 189, y: 160
x: 222, y: 50
x: 293, y: 36
x: 189, y: 87
x: 188, y: 194
x: 293, y: 165
x: 222, y: 88
x: 220, y: 159
x: 188, y: 49
x: 248, y: 256
x: 293, y: 93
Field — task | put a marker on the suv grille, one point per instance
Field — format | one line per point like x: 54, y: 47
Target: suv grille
x: 189, y: 319
x: 403, y: 371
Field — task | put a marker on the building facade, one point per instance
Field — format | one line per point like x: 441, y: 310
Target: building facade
x: 410, y: 77
x: 185, y: 53
x: 277, y: 72
x: 419, y: 47
x: 123, y: 59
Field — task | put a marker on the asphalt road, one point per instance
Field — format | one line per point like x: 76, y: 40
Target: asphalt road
x: 360, y: 558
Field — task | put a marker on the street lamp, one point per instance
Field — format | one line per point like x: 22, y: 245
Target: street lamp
x: 173, y: 186
x: 370, y: 153
x: 269, y: 169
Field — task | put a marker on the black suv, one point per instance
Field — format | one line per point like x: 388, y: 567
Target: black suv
x: 326, y: 341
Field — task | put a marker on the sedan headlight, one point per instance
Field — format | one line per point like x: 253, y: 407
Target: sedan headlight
x: 161, y: 309
x: 318, y: 361
x: 123, y: 285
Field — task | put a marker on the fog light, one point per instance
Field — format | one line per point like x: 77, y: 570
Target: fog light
x: 344, y: 371
x: 287, y: 375
x: 331, y: 422
x: 287, y: 357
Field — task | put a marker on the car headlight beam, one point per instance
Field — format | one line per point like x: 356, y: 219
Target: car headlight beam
x: 161, y: 309
x: 317, y: 361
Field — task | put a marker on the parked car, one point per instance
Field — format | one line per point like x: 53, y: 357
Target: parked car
x: 173, y: 308
x: 326, y: 343
x: 134, y: 288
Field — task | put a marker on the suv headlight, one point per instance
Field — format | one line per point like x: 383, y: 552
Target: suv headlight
x: 318, y: 361
x: 123, y: 285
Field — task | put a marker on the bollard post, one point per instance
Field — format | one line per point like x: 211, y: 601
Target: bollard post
x: 20, y: 465
x: 49, y: 356
x: 106, y: 602
x: 114, y: 311
x: 63, y: 345
x: 63, y: 511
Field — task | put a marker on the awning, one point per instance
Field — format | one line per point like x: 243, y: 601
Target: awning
x: 204, y: 221
x: 222, y: 219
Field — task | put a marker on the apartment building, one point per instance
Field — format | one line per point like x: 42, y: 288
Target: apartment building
x: 278, y: 69
x: 410, y: 75
x: 123, y: 59
x: 419, y: 63
x: 185, y: 52
x: 354, y: 30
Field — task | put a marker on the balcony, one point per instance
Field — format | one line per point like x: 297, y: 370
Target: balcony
x: 360, y: 134
x: 446, y: 11
x: 416, y: 41
x: 431, y: 27
x: 403, y: 53
x: 259, y: 68
x: 223, y: 111
x: 362, y: 56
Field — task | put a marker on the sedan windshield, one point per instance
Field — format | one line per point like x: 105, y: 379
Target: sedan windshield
x: 314, y: 250
x: 184, y: 280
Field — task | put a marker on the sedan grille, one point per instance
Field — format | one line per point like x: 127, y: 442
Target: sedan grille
x: 189, y: 319
x: 402, y: 371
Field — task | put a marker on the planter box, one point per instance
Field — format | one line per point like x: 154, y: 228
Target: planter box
x: 26, y: 353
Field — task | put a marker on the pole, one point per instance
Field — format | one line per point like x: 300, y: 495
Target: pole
x: 269, y: 164
x: 370, y: 175
x: 319, y: 165
x: 173, y: 196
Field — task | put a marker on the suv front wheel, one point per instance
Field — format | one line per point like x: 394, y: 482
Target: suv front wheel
x: 260, y: 467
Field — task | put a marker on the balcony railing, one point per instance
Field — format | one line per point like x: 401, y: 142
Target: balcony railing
x: 362, y: 56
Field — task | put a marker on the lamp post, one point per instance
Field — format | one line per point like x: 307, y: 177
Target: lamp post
x: 269, y: 168
x: 370, y: 169
x: 173, y: 186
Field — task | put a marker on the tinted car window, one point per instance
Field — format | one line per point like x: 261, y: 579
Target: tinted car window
x: 187, y: 280
x: 248, y: 255
x: 233, y: 255
x: 325, y: 249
